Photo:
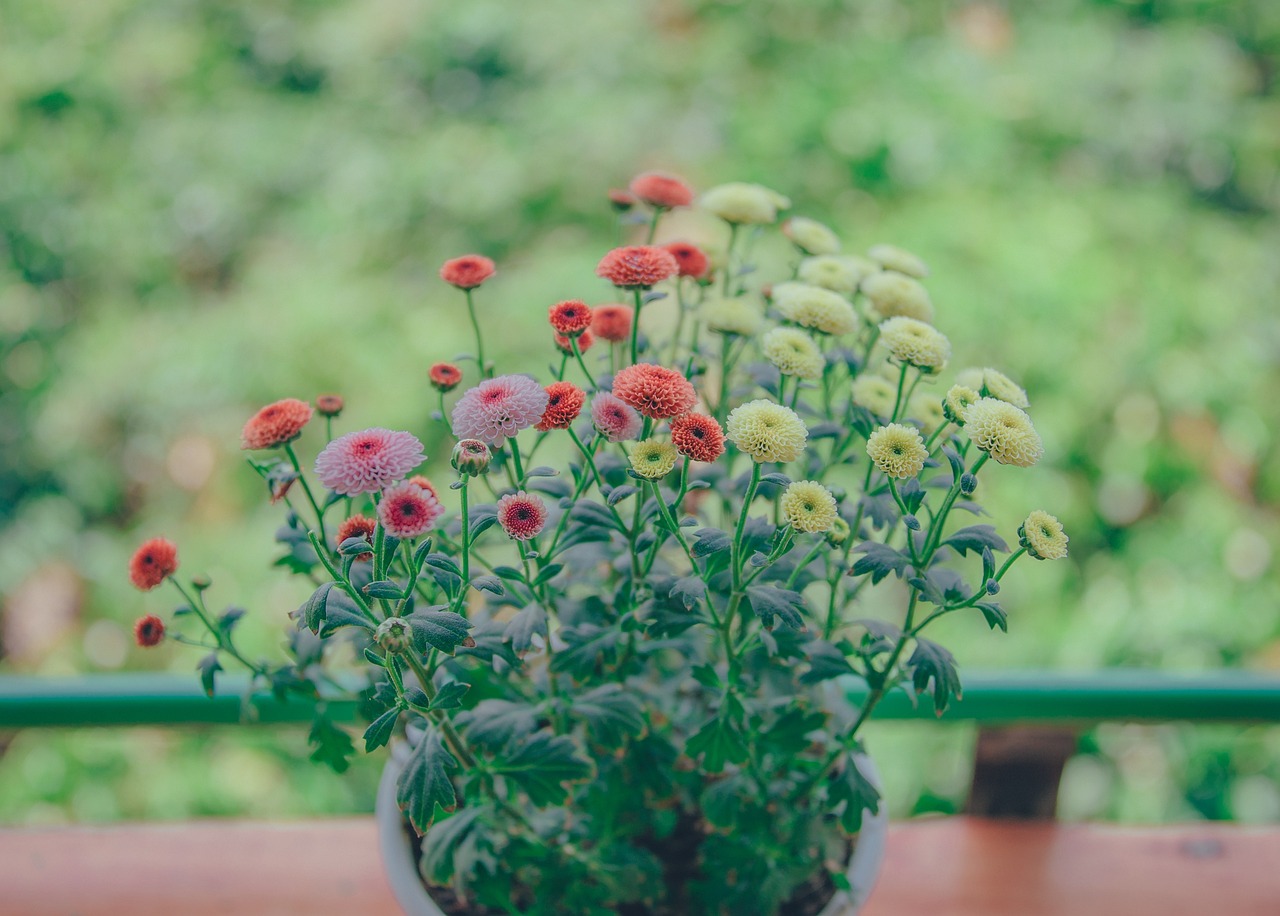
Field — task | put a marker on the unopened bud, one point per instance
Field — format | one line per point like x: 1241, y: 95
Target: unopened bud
x: 993, y: 587
x: 911, y: 522
x: 394, y: 635
x: 838, y: 533
x: 968, y: 483
x: 470, y: 458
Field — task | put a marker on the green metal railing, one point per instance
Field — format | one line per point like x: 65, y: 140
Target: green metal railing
x: 1003, y: 698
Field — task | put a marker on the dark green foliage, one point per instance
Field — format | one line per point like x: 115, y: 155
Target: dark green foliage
x: 424, y: 781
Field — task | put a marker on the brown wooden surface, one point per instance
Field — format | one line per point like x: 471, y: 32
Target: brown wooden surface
x: 945, y: 867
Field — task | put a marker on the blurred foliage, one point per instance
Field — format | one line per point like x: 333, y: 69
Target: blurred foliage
x: 208, y: 206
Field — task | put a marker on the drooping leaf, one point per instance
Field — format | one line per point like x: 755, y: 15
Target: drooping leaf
x: 618, y: 494
x: 330, y: 745
x: 995, y: 615
x: 689, y: 590
x: 489, y: 646
x: 491, y: 584
x: 209, y: 666
x: 530, y: 622
x: 720, y: 741
x: 424, y: 782
x: 880, y: 560
x: 498, y: 723
x: 384, y: 588
x: 443, y: 630
x: 543, y: 766
x: 825, y: 662
x: 229, y: 618
x: 449, y: 695
x: 330, y: 608
x: 381, y: 729
x: 976, y: 538
x: 769, y: 602
x: 480, y: 525
x: 447, y: 836
x: 709, y: 541
x: 611, y: 713
x: 589, y: 647
x: 851, y: 788
x: 929, y: 664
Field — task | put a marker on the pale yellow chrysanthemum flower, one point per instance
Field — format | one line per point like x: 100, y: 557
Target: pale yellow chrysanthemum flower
x: 767, y: 431
x: 809, y: 506
x: 1043, y: 536
x: 893, y: 294
x: 925, y: 407
x: 814, y: 307
x: 875, y: 393
x: 897, y: 450
x: 994, y: 384
x: 793, y: 352
x: 838, y: 273
x: 732, y: 316
x: 739, y: 202
x: 915, y: 342
x: 810, y: 236
x: 891, y: 257
x: 956, y: 402
x: 652, y: 459
x: 1003, y: 431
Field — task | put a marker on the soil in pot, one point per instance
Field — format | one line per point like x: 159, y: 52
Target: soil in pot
x: 678, y: 853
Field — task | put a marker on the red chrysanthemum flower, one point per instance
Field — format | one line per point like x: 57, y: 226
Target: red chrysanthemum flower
x: 612, y: 321
x: 425, y: 484
x: 621, y: 200
x: 564, y: 403
x: 697, y: 436
x: 152, y: 563
x: 358, y: 526
x: 637, y: 266
x: 329, y: 405
x: 571, y: 317
x: 655, y: 391
x: 148, y: 631
x: 445, y: 376
x: 522, y: 515
x: 468, y: 271
x: 407, y: 510
x: 693, y: 260
x: 275, y: 424
x: 659, y: 189
x: 585, y: 340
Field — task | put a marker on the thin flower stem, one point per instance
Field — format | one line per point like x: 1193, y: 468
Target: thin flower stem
x: 809, y: 558
x: 461, y: 600
x: 728, y: 257
x: 306, y: 487
x: 451, y: 737
x: 897, y: 398
x: 342, y: 580
x: 653, y: 225
x: 223, y: 639
x: 475, y: 325
x: 517, y: 466
x: 665, y: 510
x: 577, y: 354
x: 635, y: 328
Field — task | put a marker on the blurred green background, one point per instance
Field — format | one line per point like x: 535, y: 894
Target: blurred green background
x: 207, y: 206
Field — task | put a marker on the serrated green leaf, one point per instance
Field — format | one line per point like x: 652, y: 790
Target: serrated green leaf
x: 977, y: 538
x: 424, y: 782
x: 709, y: 541
x: 994, y: 614
x: 443, y: 630
x: 720, y: 741
x: 529, y: 622
x: 769, y: 602
x: 851, y: 788
x: 931, y: 663
x: 449, y: 695
x: 880, y: 560
x: 543, y: 765
x: 491, y: 584
x: 498, y: 723
x: 381, y: 729
x: 330, y: 745
x: 611, y: 713
x: 688, y: 590
x: 446, y: 837
x: 825, y: 662
x: 589, y: 648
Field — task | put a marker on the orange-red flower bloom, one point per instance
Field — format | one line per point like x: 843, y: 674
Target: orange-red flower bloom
x: 445, y: 376
x: 655, y: 391
x: 468, y: 271
x: 612, y: 321
x: 570, y: 317
x: 148, y: 631
x: 585, y: 340
x: 329, y: 405
x: 697, y: 436
x: 621, y: 200
x: 692, y: 259
x: 564, y: 403
x: 660, y: 189
x: 358, y: 526
x: 425, y: 484
x: 275, y: 424
x: 637, y: 266
x: 152, y: 563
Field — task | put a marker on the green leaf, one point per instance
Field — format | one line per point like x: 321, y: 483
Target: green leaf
x: 852, y: 789
x: 618, y: 494
x: 976, y: 538
x: 443, y: 562
x: 480, y: 525
x: 420, y: 554
x: 995, y: 615
x: 722, y: 801
x: 330, y: 745
x: 443, y: 630
x: 498, y: 723
x: 208, y: 667
x: 549, y: 572
x: 329, y: 608
x: 384, y: 588
x: 381, y: 729
x: 543, y: 765
x: 880, y: 560
x: 508, y: 572
x: 229, y: 619
x: 769, y: 602
x: 957, y: 463
x: 542, y: 471
x: 825, y: 662
x: 424, y: 782
x: 612, y: 714
x: 589, y: 647
x: 720, y: 741
x: 353, y: 547
x: 491, y: 584
x: 689, y: 590
x: 931, y: 663
x: 449, y: 695
x: 530, y: 622
x: 448, y: 835
x: 710, y: 540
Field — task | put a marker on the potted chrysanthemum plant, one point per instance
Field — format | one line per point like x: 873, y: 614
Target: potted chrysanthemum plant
x: 612, y: 649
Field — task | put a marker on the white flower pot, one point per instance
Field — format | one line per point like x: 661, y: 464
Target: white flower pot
x: 406, y: 884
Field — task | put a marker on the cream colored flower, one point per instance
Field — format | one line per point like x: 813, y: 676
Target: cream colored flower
x: 814, y: 307
x: 926, y: 408
x: 875, y: 393
x: 994, y: 384
x: 793, y: 352
x: 739, y: 202
x: 652, y: 459
x: 809, y: 506
x: 1043, y: 536
x: 767, y: 431
x: 893, y: 294
x: 897, y: 450
x: 956, y: 402
x: 810, y: 236
x: 1004, y: 432
x: 915, y: 342
x: 891, y: 257
x: 839, y: 532
x: 838, y: 273
x: 732, y: 316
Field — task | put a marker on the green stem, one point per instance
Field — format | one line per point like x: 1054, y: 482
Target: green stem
x: 577, y: 354
x: 293, y: 459
x: 635, y: 327
x: 475, y: 325
x: 451, y: 737
x: 653, y: 225
x: 466, y: 549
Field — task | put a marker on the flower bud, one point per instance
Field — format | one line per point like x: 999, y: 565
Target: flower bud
x: 329, y: 405
x: 911, y: 522
x: 968, y: 483
x: 394, y: 635
x: 470, y: 458
x: 200, y: 583
x: 838, y: 533
x: 993, y: 587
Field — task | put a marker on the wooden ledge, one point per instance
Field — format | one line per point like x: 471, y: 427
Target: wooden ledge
x: 954, y: 866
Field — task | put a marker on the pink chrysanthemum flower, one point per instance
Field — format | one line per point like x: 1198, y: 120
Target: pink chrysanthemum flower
x: 585, y: 340
x: 368, y: 461
x: 564, y: 403
x: 498, y: 408
x: 522, y: 515
x: 660, y: 189
x: 614, y: 418
x: 637, y: 266
x: 612, y: 322
x: 468, y: 271
x: 275, y: 424
x: 570, y: 317
x: 408, y: 510
x: 693, y: 260
x: 655, y: 391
